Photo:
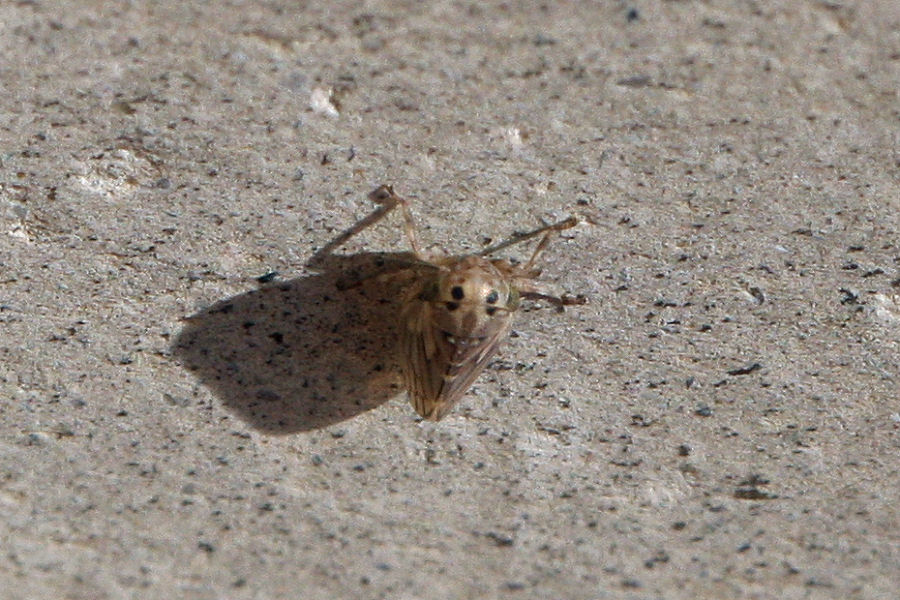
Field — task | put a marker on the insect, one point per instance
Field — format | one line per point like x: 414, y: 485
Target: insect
x: 457, y: 309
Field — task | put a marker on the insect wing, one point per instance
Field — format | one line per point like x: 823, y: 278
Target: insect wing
x: 438, y: 368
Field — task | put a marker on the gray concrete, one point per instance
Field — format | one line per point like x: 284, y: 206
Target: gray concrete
x: 721, y: 421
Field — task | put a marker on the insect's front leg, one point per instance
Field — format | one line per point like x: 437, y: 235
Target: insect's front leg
x: 389, y: 265
x: 384, y: 195
x: 558, y: 301
x: 387, y: 200
x: 547, y: 230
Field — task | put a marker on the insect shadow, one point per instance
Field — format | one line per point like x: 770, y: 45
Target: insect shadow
x: 305, y: 353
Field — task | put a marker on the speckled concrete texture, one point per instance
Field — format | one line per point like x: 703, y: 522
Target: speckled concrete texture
x: 191, y: 411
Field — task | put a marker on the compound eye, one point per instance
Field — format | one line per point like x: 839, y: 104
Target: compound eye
x: 492, y: 297
x: 457, y: 292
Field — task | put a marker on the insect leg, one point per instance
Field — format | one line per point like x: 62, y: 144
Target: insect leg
x: 558, y: 301
x: 525, y: 274
x: 521, y: 237
x: 384, y: 195
x: 387, y: 200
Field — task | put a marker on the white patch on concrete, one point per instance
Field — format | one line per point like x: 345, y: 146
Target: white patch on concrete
x: 320, y: 102
x: 20, y: 233
x: 514, y: 138
x: 117, y: 173
x: 887, y: 308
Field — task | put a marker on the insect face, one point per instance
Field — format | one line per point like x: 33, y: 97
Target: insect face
x: 470, y: 298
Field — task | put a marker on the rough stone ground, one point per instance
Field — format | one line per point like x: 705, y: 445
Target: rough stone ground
x: 721, y: 421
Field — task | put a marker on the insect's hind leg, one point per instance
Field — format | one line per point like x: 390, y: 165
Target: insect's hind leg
x: 387, y: 200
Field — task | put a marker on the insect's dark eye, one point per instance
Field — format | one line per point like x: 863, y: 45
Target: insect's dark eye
x: 492, y: 297
x: 451, y: 306
x: 457, y: 292
x: 490, y: 310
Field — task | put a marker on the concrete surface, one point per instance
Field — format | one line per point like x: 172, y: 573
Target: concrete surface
x: 721, y: 421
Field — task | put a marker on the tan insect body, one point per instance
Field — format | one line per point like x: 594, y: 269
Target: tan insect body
x: 457, y: 311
